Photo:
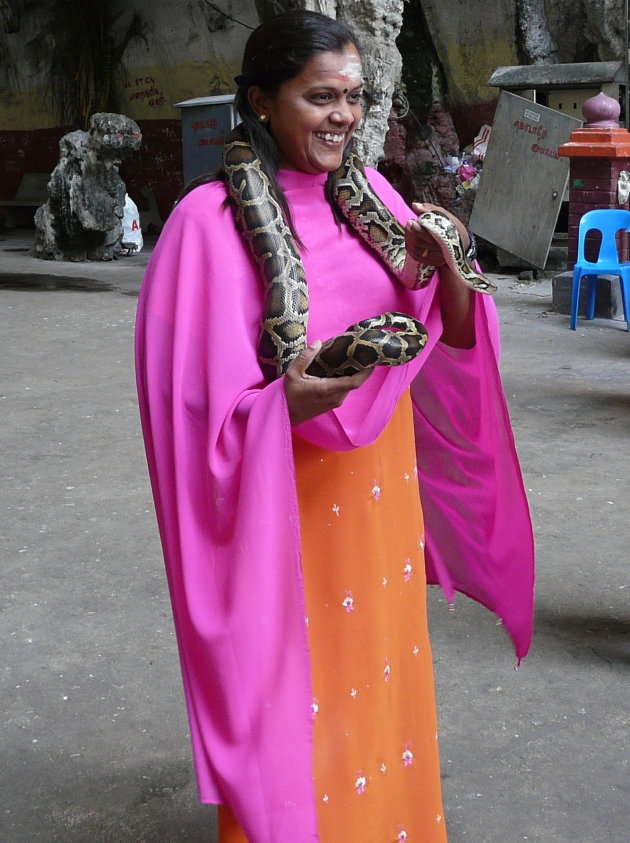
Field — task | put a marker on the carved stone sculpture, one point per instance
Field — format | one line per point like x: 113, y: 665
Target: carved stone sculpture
x: 82, y: 219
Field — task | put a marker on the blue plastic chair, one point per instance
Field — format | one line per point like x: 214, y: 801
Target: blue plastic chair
x: 608, y: 221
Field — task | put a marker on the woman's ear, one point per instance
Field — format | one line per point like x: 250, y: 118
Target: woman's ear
x: 258, y: 100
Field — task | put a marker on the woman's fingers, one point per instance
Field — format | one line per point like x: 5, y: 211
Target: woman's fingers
x: 306, y: 357
x: 422, y: 245
x: 309, y: 396
x: 423, y: 207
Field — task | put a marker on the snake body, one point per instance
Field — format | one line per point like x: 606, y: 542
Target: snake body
x: 388, y: 339
x: 375, y: 224
x: 373, y: 221
x: 262, y: 224
x: 443, y: 227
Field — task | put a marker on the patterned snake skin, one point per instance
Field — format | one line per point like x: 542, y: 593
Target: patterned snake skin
x: 373, y: 221
x: 389, y: 339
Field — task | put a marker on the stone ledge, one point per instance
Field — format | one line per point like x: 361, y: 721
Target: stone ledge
x: 608, y: 303
x: 556, y: 260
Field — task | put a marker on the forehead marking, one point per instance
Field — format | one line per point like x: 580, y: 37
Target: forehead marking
x: 352, y: 70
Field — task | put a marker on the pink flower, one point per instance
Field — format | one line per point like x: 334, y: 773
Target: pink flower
x: 360, y: 784
x: 348, y: 602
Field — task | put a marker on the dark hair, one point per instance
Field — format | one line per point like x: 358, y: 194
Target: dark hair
x: 275, y: 52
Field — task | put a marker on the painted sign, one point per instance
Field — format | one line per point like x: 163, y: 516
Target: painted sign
x: 523, y: 179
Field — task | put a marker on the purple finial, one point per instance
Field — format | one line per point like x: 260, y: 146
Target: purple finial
x: 601, y: 112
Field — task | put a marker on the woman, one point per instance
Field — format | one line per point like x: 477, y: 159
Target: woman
x: 289, y: 509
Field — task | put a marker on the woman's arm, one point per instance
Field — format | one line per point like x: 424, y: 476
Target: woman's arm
x: 456, y: 299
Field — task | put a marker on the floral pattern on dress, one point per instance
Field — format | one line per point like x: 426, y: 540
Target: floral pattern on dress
x: 360, y: 783
x: 348, y: 602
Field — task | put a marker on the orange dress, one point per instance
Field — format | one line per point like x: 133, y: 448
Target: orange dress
x: 376, y: 764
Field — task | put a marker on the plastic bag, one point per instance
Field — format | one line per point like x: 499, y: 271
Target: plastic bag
x: 480, y: 144
x: 132, y: 233
x: 623, y: 188
x: 466, y: 172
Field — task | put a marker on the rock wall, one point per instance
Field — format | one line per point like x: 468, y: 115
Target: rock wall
x: 471, y: 38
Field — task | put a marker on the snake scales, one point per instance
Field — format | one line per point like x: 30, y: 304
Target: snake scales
x: 389, y: 339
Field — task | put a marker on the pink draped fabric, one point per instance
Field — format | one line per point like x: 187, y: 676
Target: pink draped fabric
x: 219, y: 451
x: 478, y: 532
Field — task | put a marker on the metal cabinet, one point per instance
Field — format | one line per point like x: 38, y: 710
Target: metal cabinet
x: 206, y: 121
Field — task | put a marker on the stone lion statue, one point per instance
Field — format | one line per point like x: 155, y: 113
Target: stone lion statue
x: 82, y: 218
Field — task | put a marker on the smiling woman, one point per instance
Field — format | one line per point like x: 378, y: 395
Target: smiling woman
x: 313, y: 116
x: 288, y: 503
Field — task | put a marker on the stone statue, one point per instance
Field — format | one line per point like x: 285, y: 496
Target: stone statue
x: 82, y: 219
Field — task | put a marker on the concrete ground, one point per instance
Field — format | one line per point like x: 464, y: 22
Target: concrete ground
x: 94, y: 742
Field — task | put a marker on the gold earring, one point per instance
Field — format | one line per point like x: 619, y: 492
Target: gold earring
x: 262, y: 118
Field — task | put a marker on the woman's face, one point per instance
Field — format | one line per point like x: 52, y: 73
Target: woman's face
x: 314, y: 115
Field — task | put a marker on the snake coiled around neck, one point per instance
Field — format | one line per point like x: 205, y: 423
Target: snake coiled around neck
x: 389, y: 339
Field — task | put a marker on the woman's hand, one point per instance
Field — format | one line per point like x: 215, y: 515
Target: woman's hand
x: 308, y: 396
x: 422, y: 245
x: 456, y: 299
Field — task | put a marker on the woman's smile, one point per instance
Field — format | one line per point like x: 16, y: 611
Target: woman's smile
x: 327, y: 137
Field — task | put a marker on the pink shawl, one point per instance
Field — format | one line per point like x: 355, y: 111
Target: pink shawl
x: 218, y: 443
